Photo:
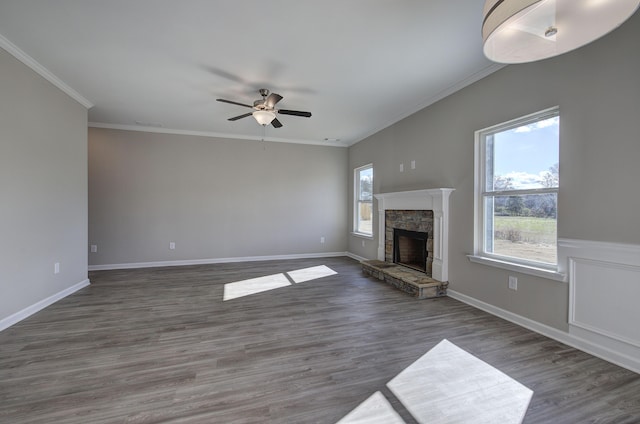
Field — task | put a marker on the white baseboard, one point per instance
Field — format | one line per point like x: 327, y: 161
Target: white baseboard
x: 354, y: 256
x: 602, y: 352
x: 214, y: 261
x: 38, y: 306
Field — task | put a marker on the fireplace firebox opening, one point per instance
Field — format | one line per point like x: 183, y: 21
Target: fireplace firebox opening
x: 410, y: 249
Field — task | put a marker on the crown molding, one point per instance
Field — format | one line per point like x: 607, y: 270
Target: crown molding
x: 477, y: 76
x: 16, y: 52
x: 141, y: 128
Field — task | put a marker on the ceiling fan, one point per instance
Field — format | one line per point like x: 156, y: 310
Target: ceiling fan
x: 265, y: 109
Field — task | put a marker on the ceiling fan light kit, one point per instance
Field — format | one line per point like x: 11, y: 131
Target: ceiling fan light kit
x: 520, y: 31
x: 265, y: 109
x: 264, y: 117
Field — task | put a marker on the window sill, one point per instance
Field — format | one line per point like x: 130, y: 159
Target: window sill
x: 524, y: 269
x: 362, y: 235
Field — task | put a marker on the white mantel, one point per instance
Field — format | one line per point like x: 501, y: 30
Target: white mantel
x: 437, y: 200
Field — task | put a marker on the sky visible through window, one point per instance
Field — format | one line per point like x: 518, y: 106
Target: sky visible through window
x: 366, y: 178
x: 526, y: 153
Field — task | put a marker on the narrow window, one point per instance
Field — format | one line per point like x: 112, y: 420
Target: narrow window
x: 363, y: 211
x: 517, y: 179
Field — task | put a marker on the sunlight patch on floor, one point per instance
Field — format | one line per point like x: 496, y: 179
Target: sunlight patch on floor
x: 449, y: 385
x: 375, y: 410
x: 261, y: 284
x: 313, y: 273
x: 254, y: 285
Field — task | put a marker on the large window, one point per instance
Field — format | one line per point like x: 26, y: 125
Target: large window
x: 517, y: 177
x: 363, y: 210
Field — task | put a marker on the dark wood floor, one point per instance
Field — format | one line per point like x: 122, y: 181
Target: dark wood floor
x: 160, y: 345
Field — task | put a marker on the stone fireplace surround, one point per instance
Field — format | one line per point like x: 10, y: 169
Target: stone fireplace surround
x: 435, y: 200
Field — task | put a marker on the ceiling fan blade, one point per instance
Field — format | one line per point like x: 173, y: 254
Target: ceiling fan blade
x: 234, y: 103
x: 235, y: 118
x: 294, y: 113
x: 272, y: 100
x: 276, y: 123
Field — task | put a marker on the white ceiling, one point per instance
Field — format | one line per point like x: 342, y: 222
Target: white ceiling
x: 357, y: 65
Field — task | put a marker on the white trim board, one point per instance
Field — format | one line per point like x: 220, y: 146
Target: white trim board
x: 354, y: 256
x: 157, y: 264
x: 515, y: 267
x: 38, y: 306
x: 16, y: 52
x: 210, y: 134
x: 598, y: 250
x: 630, y: 362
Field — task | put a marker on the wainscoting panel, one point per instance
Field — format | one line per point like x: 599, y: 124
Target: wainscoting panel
x: 604, y: 294
x: 604, y: 299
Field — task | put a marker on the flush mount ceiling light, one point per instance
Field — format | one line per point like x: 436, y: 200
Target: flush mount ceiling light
x: 264, y: 117
x: 519, y: 31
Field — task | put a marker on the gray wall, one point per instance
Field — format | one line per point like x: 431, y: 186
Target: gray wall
x: 43, y: 188
x: 598, y: 90
x: 215, y: 198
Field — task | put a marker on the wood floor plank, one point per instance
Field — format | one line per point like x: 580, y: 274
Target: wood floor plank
x: 161, y: 345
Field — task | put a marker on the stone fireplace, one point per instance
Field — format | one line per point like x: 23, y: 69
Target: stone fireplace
x: 422, y: 211
x: 413, y: 241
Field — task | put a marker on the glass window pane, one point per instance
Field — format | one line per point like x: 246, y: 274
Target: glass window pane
x: 525, y: 157
x: 364, y: 218
x: 365, y: 185
x: 522, y: 226
x: 363, y: 210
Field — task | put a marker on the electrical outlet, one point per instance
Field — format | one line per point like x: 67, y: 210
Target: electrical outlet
x: 172, y: 245
x: 402, y: 167
x: 413, y: 164
x: 362, y: 243
x: 56, y: 268
x: 513, y: 282
x: 321, y: 239
x: 94, y: 248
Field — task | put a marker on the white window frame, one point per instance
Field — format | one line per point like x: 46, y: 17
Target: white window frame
x: 357, y: 200
x: 480, y: 255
